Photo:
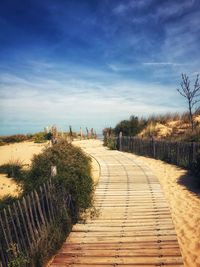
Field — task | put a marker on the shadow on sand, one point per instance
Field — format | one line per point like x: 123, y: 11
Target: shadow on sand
x: 191, y: 182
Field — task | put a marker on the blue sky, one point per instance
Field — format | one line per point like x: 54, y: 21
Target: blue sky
x: 93, y: 63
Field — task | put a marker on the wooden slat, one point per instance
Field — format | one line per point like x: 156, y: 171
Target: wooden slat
x: 22, y: 236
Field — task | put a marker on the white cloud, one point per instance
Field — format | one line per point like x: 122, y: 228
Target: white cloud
x: 161, y: 64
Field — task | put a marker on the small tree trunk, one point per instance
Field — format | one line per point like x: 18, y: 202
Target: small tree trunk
x: 191, y: 117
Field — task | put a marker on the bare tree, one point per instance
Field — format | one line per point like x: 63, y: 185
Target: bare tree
x: 191, y: 94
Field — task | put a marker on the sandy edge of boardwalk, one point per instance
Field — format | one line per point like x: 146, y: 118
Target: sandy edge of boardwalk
x: 184, y: 205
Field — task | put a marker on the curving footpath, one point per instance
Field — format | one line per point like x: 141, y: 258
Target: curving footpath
x: 134, y: 225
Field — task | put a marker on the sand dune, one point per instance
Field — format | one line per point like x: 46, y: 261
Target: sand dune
x: 17, y: 151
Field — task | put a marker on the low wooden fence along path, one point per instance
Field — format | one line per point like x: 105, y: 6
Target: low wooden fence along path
x: 134, y: 226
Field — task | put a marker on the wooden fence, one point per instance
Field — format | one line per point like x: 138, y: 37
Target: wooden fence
x: 180, y: 153
x: 24, y: 224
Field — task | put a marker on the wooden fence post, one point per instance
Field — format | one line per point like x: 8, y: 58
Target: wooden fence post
x: 53, y: 171
x: 154, y: 148
x: 193, y: 152
x: 120, y: 141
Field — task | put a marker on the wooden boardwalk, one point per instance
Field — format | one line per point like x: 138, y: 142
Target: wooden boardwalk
x: 134, y: 226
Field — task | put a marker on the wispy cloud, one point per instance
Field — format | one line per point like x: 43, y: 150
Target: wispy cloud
x: 162, y: 64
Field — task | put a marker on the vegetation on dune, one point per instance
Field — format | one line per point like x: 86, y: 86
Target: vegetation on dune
x: 73, y: 175
x: 169, y: 126
x: 15, y: 138
x: 73, y: 172
x: 130, y: 127
x: 39, y: 137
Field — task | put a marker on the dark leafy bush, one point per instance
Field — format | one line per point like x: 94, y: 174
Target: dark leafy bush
x: 73, y: 172
x: 111, y: 144
x: 130, y: 127
x: 41, y: 137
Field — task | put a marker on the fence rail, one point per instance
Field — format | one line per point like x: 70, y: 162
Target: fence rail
x: 180, y: 153
x: 24, y: 224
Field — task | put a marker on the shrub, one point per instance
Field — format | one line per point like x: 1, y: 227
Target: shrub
x: 107, y: 133
x: 41, y: 137
x: 73, y: 172
x: 111, y: 144
x: 19, y: 259
x: 130, y: 127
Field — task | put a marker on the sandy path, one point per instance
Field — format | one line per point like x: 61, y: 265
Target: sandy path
x: 18, y: 151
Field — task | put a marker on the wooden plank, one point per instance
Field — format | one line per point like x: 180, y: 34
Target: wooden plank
x: 119, y: 260
x: 48, y: 202
x: 43, y: 204
x: 50, y: 191
x: 121, y: 253
x: 39, y: 207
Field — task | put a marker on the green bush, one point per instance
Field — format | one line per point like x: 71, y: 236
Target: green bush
x: 73, y: 172
x: 41, y: 137
x: 19, y: 259
x: 130, y: 127
x: 111, y: 144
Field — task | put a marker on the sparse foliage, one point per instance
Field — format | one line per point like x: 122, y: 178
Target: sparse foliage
x: 192, y: 95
